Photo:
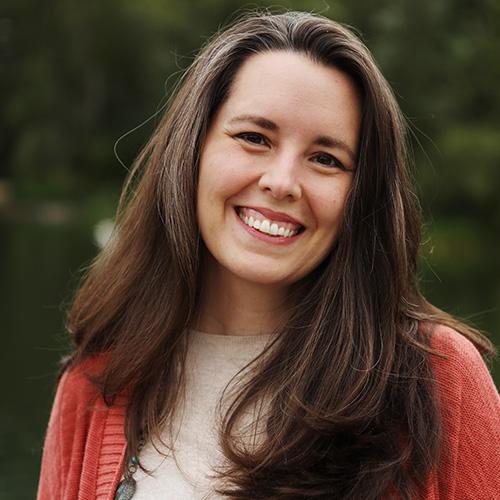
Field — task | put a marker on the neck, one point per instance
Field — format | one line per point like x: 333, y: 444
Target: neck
x: 231, y: 305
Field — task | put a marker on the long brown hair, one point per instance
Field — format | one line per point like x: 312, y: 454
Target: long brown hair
x: 350, y: 409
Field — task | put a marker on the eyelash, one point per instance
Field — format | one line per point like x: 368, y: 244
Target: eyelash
x: 246, y: 135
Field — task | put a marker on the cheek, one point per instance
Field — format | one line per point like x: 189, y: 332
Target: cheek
x: 328, y: 204
x: 223, y: 176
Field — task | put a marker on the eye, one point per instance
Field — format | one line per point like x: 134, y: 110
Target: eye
x: 253, y: 138
x: 327, y: 160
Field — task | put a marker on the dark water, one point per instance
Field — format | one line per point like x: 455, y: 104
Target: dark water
x: 37, y: 263
x: 39, y: 266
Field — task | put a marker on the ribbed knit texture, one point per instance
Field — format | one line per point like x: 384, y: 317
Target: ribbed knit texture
x: 84, y: 446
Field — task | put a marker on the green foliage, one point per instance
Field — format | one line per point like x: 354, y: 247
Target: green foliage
x: 79, y: 75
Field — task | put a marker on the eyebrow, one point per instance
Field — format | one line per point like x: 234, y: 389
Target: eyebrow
x: 321, y: 140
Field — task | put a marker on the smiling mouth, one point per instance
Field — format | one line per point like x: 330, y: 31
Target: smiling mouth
x: 259, y: 222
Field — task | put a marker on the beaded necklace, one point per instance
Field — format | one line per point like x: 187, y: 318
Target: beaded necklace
x: 127, y: 486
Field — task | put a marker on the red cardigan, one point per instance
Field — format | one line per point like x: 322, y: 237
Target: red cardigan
x: 85, y: 444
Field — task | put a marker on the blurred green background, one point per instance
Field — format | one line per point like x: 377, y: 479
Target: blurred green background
x: 77, y: 76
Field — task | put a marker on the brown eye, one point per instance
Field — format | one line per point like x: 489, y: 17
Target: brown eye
x: 326, y: 160
x: 253, y: 138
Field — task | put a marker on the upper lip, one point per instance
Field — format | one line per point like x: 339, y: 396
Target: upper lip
x: 274, y: 215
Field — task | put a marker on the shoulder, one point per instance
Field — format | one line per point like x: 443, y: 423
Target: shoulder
x: 449, y: 341
x: 460, y: 371
x: 446, y: 339
x: 460, y: 361
x: 468, y: 399
x: 89, y: 368
x: 78, y: 395
x: 77, y: 382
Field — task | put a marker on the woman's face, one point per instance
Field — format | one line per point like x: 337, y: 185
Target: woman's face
x: 276, y: 168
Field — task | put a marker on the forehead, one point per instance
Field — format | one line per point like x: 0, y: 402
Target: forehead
x: 296, y: 68
x: 290, y: 88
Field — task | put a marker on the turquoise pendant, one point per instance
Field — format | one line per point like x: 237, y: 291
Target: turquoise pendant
x: 125, y: 490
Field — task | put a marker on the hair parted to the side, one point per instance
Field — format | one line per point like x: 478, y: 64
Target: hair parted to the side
x: 350, y: 408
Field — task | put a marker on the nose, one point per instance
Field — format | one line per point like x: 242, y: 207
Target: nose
x: 281, y: 179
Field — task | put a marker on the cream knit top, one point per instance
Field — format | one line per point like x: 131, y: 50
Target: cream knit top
x: 212, y: 360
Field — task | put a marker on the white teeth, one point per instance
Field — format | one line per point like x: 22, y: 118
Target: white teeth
x: 268, y: 227
x: 265, y: 226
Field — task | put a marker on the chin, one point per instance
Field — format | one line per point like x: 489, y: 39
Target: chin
x: 271, y: 277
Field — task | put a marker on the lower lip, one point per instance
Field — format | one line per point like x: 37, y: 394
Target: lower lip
x: 276, y: 240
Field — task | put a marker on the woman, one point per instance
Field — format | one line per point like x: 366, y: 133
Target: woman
x: 255, y: 328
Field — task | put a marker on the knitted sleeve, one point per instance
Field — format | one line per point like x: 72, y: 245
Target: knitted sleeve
x: 66, y: 437
x: 470, y: 407
x: 49, y: 485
